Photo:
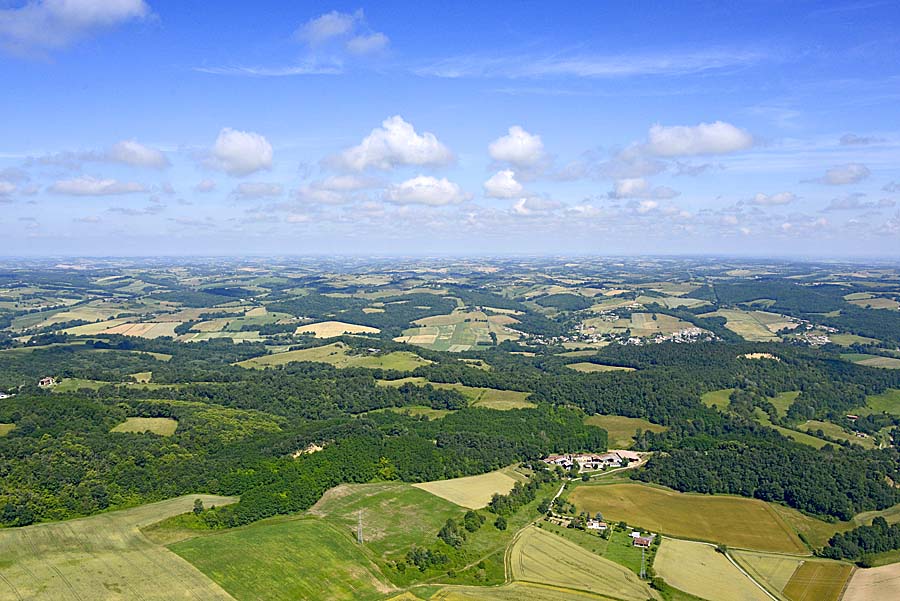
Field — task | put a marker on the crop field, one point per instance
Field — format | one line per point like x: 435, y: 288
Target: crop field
x: 874, y: 584
x: 395, y: 516
x: 735, y: 521
x: 538, y: 556
x: 308, y: 556
x: 144, y: 329
x: 834, y: 431
x: 164, y: 426
x: 6, y: 429
x: 491, y: 398
x: 337, y: 354
x: 639, y: 324
x: 459, y: 331
x: 472, y: 492
x: 330, y: 329
x: 588, y: 367
x: 818, y: 581
x: 102, y: 557
x: 717, y: 398
x: 90, y: 329
x: 772, y: 570
x: 755, y: 326
x: 515, y: 591
x: 872, y: 360
x: 698, y: 569
x: 622, y: 429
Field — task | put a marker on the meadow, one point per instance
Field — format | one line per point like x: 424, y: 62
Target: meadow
x: 338, y: 354
x: 621, y: 429
x: 588, y: 367
x: 491, y: 398
x: 698, y: 569
x: 717, y: 398
x: 459, y: 331
x: 102, y: 557
x: 162, y: 426
x: 735, y: 521
x: 872, y: 360
x: 887, y: 402
x: 834, y: 431
x: 6, y: 429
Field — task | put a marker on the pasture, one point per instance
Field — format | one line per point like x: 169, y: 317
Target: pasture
x: 309, y: 556
x: 339, y: 355
x: 872, y: 360
x: 6, y: 429
x: 330, y: 329
x: 818, y: 581
x: 876, y: 302
x: 538, y: 556
x: 672, y: 302
x: 783, y: 401
x: 698, y: 569
x: 622, y: 429
x: 874, y: 584
x: 490, y: 398
x: 163, y: 426
x: 102, y: 557
x: 588, y: 367
x: 834, y: 431
x: 735, y: 521
x: 471, y: 492
x: 717, y: 398
x: 887, y: 402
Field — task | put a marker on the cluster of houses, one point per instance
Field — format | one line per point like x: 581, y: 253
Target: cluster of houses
x: 593, y: 461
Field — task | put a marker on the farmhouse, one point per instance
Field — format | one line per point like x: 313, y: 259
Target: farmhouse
x: 643, y: 541
x: 46, y: 382
x: 596, y: 525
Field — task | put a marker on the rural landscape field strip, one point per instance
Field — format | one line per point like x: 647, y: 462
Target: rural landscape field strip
x: 472, y: 492
x: 818, y: 581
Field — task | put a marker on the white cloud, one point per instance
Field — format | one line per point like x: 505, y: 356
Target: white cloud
x: 425, y: 190
x: 7, y: 188
x: 767, y: 200
x: 206, y: 185
x: 134, y: 153
x: 253, y: 190
x: 240, y: 152
x: 49, y: 24
x: 345, y: 183
x: 706, y: 138
x: 90, y: 186
x: 503, y: 184
x: 368, y: 43
x: 842, y: 175
x: 517, y: 147
x: 638, y: 187
x: 645, y: 206
x: 855, y: 202
x: 534, y: 205
x: 395, y: 143
x: 329, y: 26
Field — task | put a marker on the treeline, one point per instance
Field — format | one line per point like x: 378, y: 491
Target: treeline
x: 864, y: 540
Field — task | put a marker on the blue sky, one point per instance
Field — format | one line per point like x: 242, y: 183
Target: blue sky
x: 137, y: 127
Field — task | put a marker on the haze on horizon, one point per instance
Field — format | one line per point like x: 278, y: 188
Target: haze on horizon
x: 150, y: 127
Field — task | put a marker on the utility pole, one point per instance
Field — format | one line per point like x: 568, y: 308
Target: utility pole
x: 359, y: 536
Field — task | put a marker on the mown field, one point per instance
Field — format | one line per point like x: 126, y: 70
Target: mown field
x: 102, y: 557
x: 735, y: 521
x: 162, y: 426
x: 588, y: 367
x: 472, y: 492
x: 872, y: 360
x: 621, y: 429
x: 330, y: 329
x: 798, y: 579
x: 698, y: 569
x: 338, y: 354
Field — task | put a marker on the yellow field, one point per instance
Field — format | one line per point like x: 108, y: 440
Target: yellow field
x: 819, y: 581
x: 698, y: 569
x: 539, y: 556
x: 6, y: 429
x: 734, y: 521
x: 588, y: 367
x: 330, y: 329
x: 103, y: 557
x: 337, y: 354
x: 164, y: 426
x: 515, y: 591
x: 143, y: 377
x: 144, y: 330
x: 89, y: 329
x: 472, y: 492
x: 622, y: 429
x: 874, y: 584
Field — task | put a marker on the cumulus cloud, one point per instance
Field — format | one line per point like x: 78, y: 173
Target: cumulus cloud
x: 240, y: 152
x: 329, y: 26
x: 638, y: 187
x: 767, y: 200
x: 204, y: 186
x: 534, y: 205
x: 425, y: 190
x: 90, y: 186
x: 518, y: 147
x: 645, y: 206
x: 706, y: 138
x: 131, y: 152
x: 503, y: 184
x: 368, y: 43
x: 51, y: 24
x: 254, y: 190
x: 843, y: 175
x: 395, y: 143
x: 855, y: 202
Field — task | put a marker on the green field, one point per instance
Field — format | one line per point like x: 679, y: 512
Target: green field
x: 285, y: 559
x: 834, y: 431
x: 102, y: 557
x: 872, y: 360
x: 783, y: 400
x: 622, y: 429
x: 490, y: 398
x: 6, y: 429
x: 717, y: 398
x: 755, y: 326
x: 338, y: 354
x: 164, y: 426
x: 698, y: 569
x: 538, y: 556
x: 887, y: 402
x: 588, y: 367
x: 772, y: 570
x: 735, y: 521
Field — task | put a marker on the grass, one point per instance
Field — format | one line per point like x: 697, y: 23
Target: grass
x: 874, y: 584
x: 699, y: 570
x: 287, y: 559
x: 588, y: 367
x: 102, y: 557
x: 339, y: 355
x: 887, y: 402
x: 6, y: 429
x: 75, y: 384
x: 783, y: 400
x: 735, y: 521
x: 848, y: 339
x: 818, y: 581
x: 872, y: 360
x: 622, y: 429
x: 538, y: 556
x: 490, y: 398
x: 717, y: 398
x: 472, y: 492
x: 164, y: 426
x: 834, y: 431
x: 330, y: 329
x: 755, y: 326
x: 771, y: 570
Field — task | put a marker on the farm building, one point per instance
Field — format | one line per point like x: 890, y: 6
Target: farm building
x: 643, y: 541
x: 46, y: 382
x: 596, y: 525
x: 590, y: 461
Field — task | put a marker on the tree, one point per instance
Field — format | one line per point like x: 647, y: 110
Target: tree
x: 198, y: 506
x: 500, y: 523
